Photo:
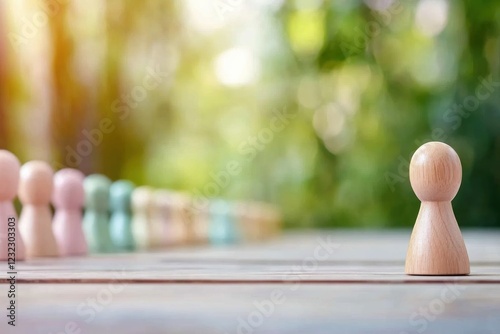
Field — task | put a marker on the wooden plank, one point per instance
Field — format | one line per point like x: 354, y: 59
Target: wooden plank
x: 335, y: 257
x: 156, y: 308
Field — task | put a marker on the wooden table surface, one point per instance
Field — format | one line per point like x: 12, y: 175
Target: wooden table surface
x: 310, y: 282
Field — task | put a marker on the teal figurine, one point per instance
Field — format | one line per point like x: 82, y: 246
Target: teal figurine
x: 121, y: 215
x: 223, y: 229
x: 96, y: 217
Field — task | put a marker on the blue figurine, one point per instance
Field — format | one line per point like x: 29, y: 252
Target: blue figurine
x: 121, y: 215
x: 223, y: 228
x: 96, y: 218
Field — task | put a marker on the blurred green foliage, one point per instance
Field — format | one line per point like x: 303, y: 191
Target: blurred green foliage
x: 185, y: 88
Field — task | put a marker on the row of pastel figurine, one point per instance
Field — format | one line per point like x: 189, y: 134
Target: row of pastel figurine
x: 117, y: 216
x: 144, y: 218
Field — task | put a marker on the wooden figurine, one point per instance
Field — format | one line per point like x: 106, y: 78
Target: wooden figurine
x: 181, y: 218
x: 161, y: 218
x: 169, y: 219
x: 436, y: 245
x: 142, y: 207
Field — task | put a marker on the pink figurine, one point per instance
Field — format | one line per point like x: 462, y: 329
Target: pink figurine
x: 68, y: 199
x: 35, y: 191
x: 9, y: 181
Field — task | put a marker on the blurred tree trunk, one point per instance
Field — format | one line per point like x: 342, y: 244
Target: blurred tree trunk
x: 113, y: 151
x: 3, y: 79
x: 125, y: 145
x: 70, y: 99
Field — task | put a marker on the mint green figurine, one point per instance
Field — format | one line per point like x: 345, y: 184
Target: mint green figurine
x: 121, y: 215
x: 223, y: 229
x: 96, y: 218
